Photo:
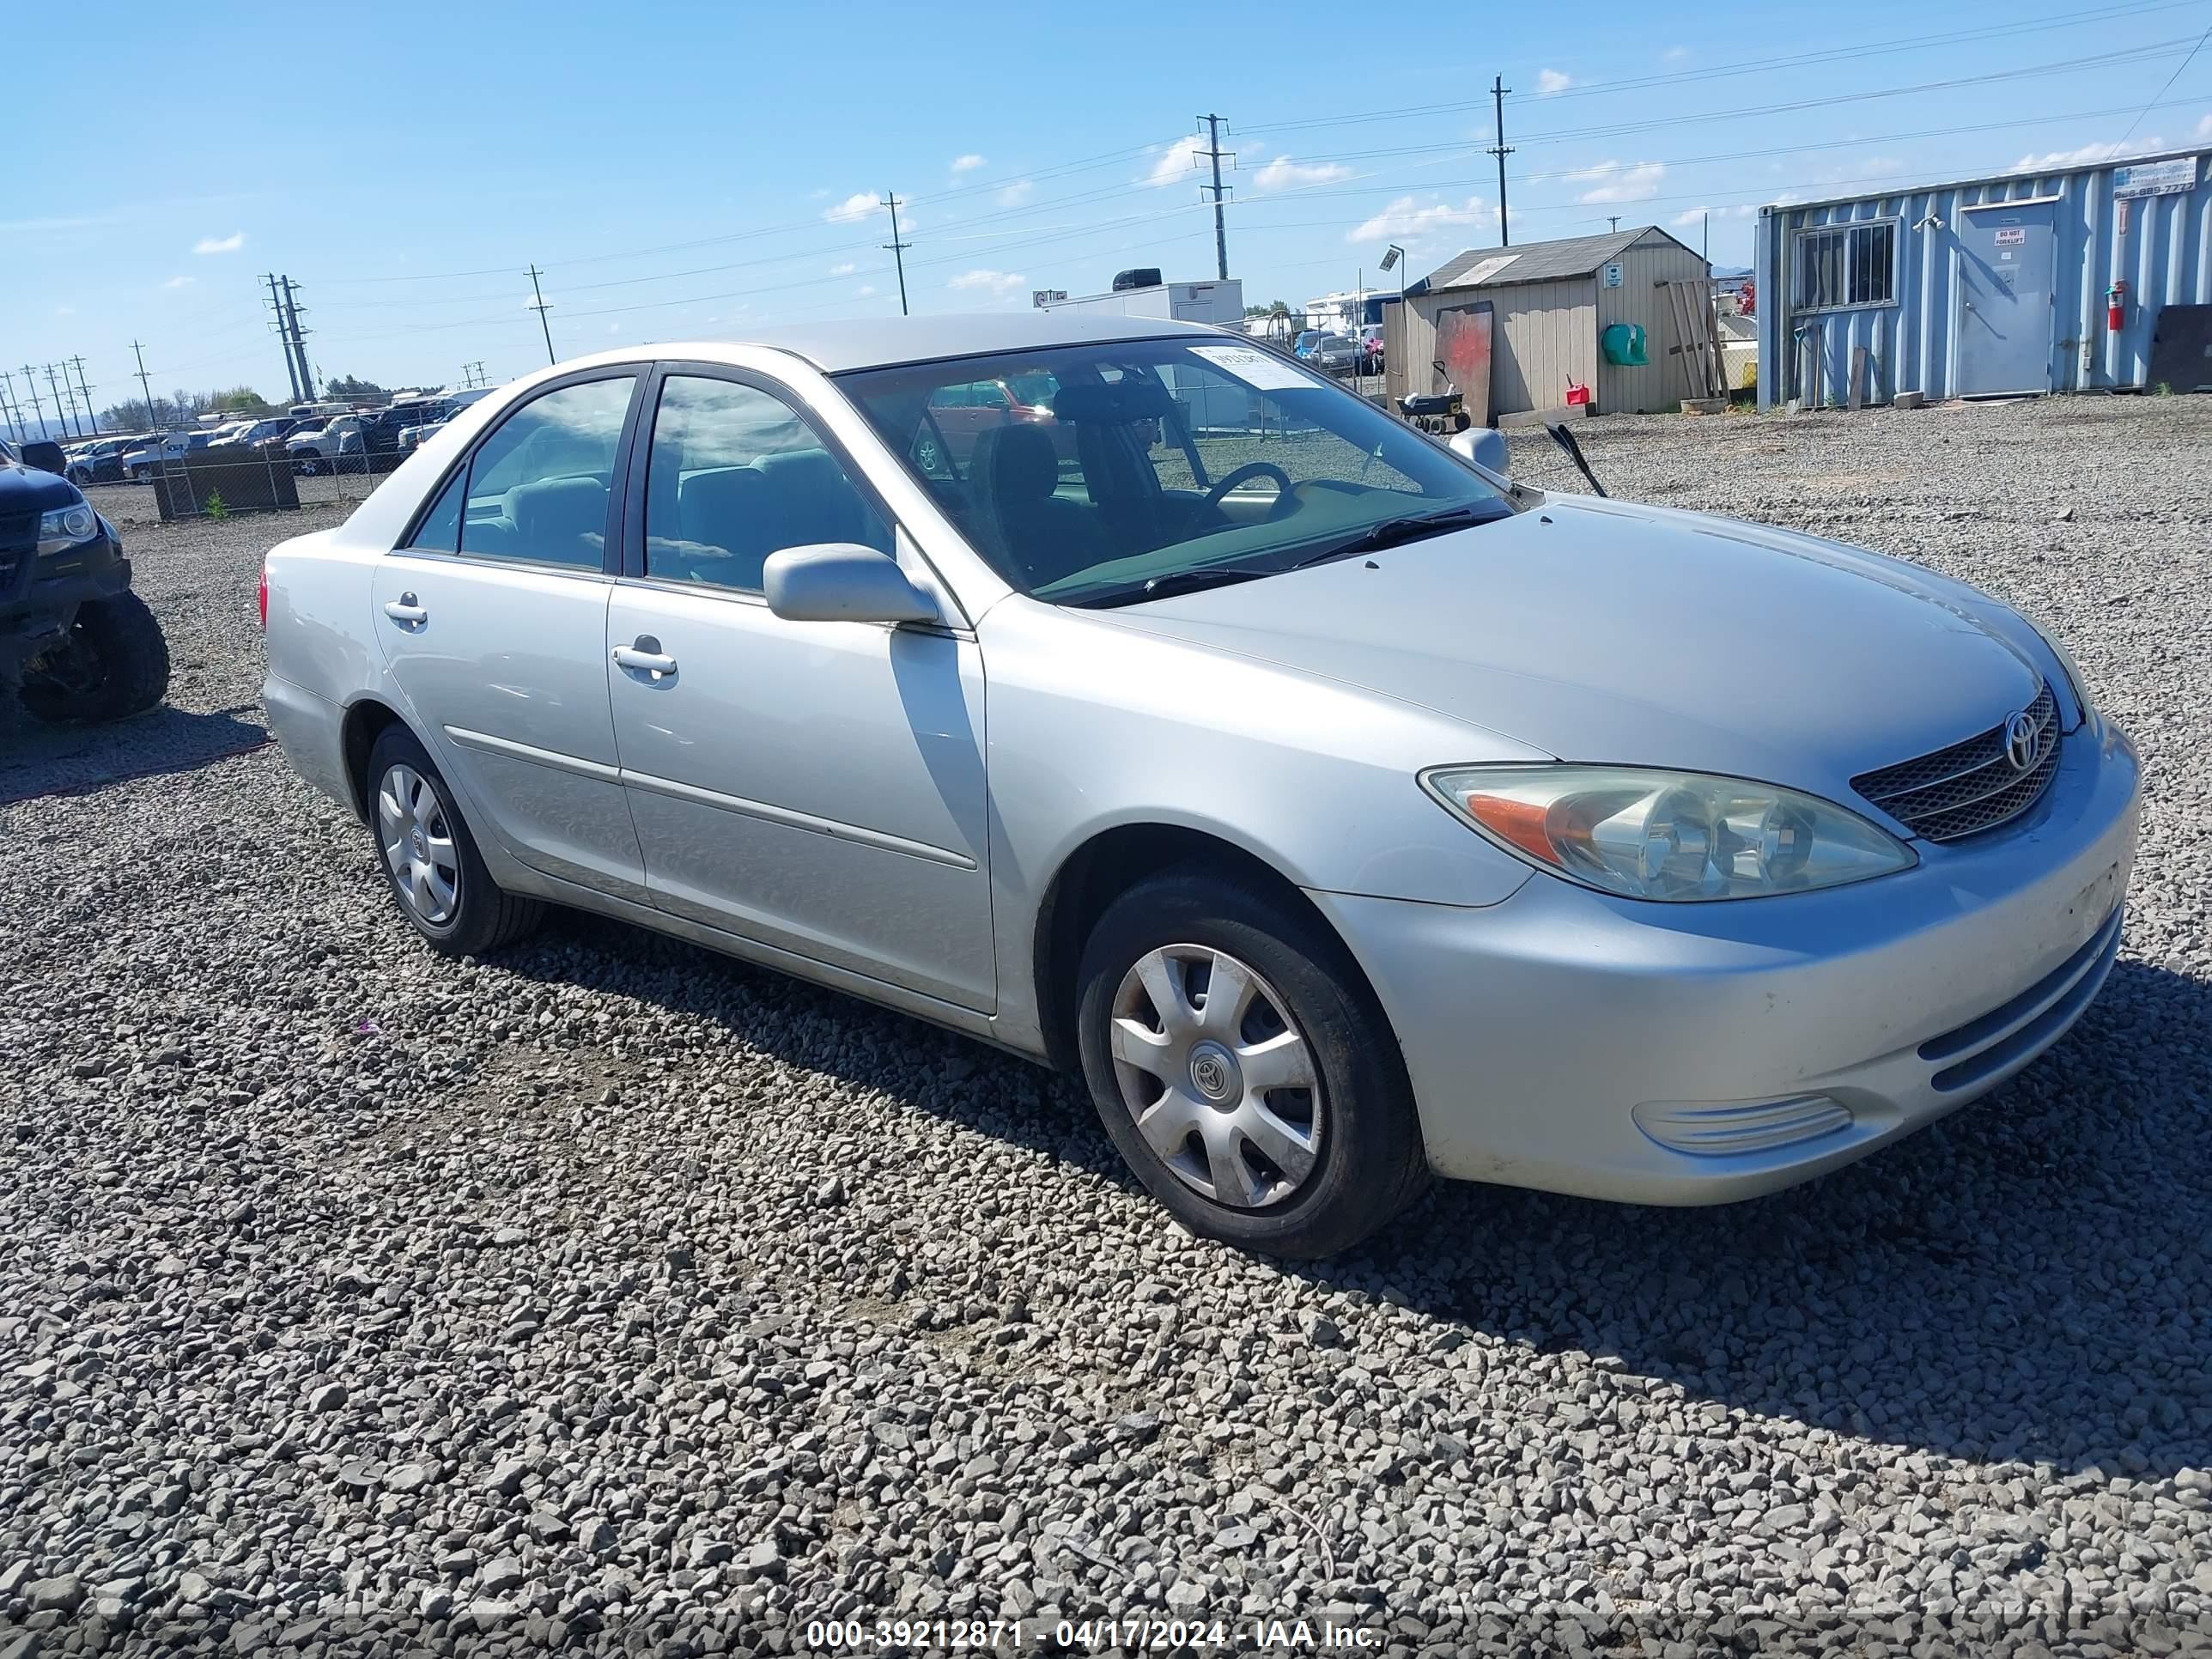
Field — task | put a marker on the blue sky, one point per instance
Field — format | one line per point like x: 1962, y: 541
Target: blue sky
x: 685, y: 171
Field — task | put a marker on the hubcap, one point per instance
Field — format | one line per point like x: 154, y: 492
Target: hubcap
x: 418, y: 845
x: 1216, y: 1076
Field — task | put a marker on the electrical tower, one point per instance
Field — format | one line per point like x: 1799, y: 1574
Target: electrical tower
x: 283, y: 332
x: 1501, y: 150
x: 1216, y: 154
x: 472, y: 375
x: 9, y: 407
x: 897, y: 249
x: 297, y: 336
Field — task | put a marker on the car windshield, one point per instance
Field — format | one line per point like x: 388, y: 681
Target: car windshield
x: 1148, y: 467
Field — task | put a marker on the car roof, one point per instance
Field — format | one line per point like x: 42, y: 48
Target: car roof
x: 879, y: 343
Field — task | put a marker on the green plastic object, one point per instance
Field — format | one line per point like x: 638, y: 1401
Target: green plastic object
x: 1623, y: 343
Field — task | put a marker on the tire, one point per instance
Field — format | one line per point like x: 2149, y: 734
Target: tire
x: 142, y: 474
x: 303, y: 465
x: 115, y: 665
x: 482, y: 916
x: 1352, y: 1155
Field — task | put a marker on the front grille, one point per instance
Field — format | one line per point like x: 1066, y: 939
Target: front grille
x: 1970, y: 787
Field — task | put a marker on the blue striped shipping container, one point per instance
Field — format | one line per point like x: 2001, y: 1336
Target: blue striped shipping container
x: 1915, y: 276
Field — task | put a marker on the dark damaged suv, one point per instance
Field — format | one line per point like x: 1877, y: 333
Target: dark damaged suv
x: 78, y: 644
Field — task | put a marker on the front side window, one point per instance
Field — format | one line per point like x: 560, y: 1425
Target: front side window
x: 733, y: 475
x: 537, y: 485
x: 1140, y: 468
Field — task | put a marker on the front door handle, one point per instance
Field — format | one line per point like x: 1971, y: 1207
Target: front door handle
x: 645, y: 657
x: 405, y: 609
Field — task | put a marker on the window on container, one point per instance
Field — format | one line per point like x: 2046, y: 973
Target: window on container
x: 1847, y: 266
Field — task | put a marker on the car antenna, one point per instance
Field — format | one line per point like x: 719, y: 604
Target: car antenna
x: 1565, y: 440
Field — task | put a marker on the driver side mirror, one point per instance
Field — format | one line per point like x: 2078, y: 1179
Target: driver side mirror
x: 1485, y: 447
x: 842, y: 581
x: 45, y: 455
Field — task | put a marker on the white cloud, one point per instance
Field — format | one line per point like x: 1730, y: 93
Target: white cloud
x: 1283, y: 174
x: 1696, y: 215
x: 1403, y: 221
x: 864, y: 291
x: 853, y: 207
x: 1616, y: 181
x: 1551, y: 81
x: 1174, y: 162
x: 1673, y: 54
x: 844, y: 270
x: 62, y: 311
x: 2090, y: 154
x: 1017, y: 192
x: 177, y: 281
x: 229, y: 244
x: 966, y: 164
x: 988, y: 280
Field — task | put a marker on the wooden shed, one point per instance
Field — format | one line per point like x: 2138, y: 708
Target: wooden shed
x: 1550, y: 304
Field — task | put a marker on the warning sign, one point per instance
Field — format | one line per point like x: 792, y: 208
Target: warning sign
x: 2011, y: 236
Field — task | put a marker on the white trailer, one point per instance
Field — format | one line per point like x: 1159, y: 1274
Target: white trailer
x: 1221, y: 303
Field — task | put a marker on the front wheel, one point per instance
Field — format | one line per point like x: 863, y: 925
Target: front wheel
x: 1243, y: 1068
x: 430, y: 859
x: 113, y: 665
x: 141, y: 474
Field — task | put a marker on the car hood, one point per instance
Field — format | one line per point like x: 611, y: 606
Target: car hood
x: 28, y: 489
x: 1605, y: 631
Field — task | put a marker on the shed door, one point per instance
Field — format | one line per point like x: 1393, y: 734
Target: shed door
x: 2003, y: 322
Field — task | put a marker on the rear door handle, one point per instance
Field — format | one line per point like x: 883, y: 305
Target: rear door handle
x: 645, y: 657
x: 405, y: 609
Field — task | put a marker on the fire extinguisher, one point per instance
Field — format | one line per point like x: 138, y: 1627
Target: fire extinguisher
x: 2116, y: 306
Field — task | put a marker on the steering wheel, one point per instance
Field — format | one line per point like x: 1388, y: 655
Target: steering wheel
x: 1250, y: 469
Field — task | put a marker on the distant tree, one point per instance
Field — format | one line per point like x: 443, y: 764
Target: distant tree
x: 346, y: 388
x: 239, y: 400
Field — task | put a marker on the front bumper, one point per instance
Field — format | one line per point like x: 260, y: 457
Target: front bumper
x: 1562, y: 1039
x: 39, y: 596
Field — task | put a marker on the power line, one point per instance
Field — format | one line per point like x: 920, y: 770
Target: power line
x: 146, y: 385
x: 2168, y: 87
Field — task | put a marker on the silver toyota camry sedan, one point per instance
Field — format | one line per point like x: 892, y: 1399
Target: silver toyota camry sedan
x: 1134, y: 699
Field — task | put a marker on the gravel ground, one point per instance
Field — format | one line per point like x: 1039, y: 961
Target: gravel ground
x: 613, y: 1296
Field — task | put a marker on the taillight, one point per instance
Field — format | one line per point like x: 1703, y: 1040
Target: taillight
x: 262, y: 596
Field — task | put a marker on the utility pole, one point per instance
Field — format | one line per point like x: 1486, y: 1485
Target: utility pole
x: 284, y: 334
x: 1221, y: 230
x: 1497, y: 91
x: 9, y: 407
x: 298, y: 338
x: 78, y: 364
x: 37, y: 408
x: 472, y: 374
x: 897, y: 249
x: 67, y: 418
x: 147, y: 386
x: 537, y: 305
x: 1613, y: 221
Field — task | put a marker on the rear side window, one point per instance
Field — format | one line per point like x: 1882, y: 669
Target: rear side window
x: 538, y: 486
x: 441, y: 529
x: 734, y: 475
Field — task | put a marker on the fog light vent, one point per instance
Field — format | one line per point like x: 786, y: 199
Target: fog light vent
x: 1718, y: 1131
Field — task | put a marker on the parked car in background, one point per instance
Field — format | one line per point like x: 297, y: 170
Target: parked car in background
x: 1334, y: 818
x: 1308, y: 340
x: 958, y: 414
x: 140, y: 464
x: 336, y: 445
x: 380, y: 431
x: 101, y: 460
x: 412, y: 437
x: 1370, y: 341
x: 1337, y: 354
x: 261, y: 434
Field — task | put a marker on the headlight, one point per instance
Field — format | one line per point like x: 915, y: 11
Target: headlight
x: 1680, y: 836
x: 66, y: 526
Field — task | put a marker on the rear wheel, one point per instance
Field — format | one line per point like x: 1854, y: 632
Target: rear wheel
x: 115, y: 664
x: 1243, y: 1068
x: 430, y: 860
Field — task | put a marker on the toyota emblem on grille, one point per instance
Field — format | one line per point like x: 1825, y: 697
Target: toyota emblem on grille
x: 2020, y: 735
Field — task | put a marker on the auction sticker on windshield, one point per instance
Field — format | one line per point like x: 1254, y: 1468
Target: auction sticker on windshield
x: 1254, y: 367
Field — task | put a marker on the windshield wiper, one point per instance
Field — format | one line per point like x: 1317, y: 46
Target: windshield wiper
x: 1195, y: 581
x: 1393, y: 531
